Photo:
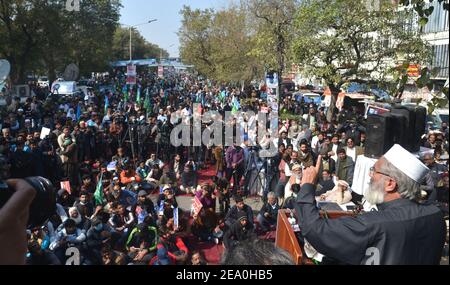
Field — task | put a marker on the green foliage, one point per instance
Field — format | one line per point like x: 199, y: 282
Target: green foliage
x: 273, y: 31
x: 341, y: 41
x: 44, y: 37
x: 218, y: 44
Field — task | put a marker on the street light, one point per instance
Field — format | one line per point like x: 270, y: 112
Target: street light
x: 161, y: 51
x: 134, y: 26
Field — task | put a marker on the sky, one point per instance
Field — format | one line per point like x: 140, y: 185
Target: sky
x: 162, y: 32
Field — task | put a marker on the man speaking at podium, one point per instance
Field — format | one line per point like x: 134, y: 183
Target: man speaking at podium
x: 402, y: 231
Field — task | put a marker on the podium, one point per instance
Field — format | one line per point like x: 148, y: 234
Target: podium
x: 287, y: 240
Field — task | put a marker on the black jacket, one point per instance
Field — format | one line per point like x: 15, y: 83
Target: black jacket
x: 189, y: 179
x: 232, y: 214
x: 401, y: 232
x: 237, y: 233
x: 267, y: 208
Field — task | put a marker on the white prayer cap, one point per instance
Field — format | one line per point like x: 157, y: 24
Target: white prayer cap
x: 407, y: 163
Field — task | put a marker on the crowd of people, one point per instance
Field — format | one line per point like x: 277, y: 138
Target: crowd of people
x: 111, y: 154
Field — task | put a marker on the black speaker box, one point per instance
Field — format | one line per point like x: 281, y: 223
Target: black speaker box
x: 415, y: 126
x: 383, y: 131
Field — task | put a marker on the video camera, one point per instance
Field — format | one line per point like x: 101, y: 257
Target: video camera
x: 44, y: 203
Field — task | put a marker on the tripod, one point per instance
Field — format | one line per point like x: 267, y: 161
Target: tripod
x: 252, y: 164
x: 130, y: 133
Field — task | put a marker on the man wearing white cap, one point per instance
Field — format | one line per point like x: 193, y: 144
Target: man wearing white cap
x: 402, y: 231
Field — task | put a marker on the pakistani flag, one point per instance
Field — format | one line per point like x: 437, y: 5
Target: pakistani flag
x: 222, y: 96
x: 98, y: 195
x: 236, y: 105
x: 138, y: 96
x: 125, y: 92
x: 147, y: 103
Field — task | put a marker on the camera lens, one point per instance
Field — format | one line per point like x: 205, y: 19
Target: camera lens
x: 44, y: 204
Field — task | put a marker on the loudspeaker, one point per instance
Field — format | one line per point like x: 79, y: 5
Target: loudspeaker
x: 383, y: 131
x: 415, y: 126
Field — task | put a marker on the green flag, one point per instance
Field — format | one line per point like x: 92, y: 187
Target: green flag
x: 126, y: 93
x: 138, y: 96
x: 147, y: 103
x: 98, y: 195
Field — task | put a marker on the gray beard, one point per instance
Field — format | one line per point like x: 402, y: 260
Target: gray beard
x: 77, y: 220
x: 375, y: 194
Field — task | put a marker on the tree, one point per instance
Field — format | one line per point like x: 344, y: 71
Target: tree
x: 195, y: 39
x: 18, y: 35
x: 273, y: 31
x: 231, y: 43
x: 342, y: 42
x: 219, y: 44
x: 90, y: 34
x: 43, y: 36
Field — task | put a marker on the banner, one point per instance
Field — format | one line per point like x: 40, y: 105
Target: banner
x: 272, y: 80
x: 161, y: 71
x: 272, y: 84
x: 131, y: 74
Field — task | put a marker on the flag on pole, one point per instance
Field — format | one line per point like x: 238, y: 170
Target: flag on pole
x: 175, y: 218
x: 236, y: 105
x: 125, y: 92
x: 138, y: 96
x: 147, y: 103
x: 222, y: 96
x: 98, y: 195
x: 78, y: 112
x: 106, y: 103
x: 161, y: 208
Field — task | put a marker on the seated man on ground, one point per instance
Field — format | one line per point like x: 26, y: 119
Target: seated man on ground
x: 242, y: 230
x: 189, y: 180
x: 141, y: 244
x: 268, y: 215
x: 232, y: 215
x: 206, y: 226
x: 171, y: 249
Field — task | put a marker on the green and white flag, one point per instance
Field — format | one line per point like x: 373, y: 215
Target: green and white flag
x: 98, y: 195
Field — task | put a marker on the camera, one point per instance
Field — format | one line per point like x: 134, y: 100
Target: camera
x: 44, y: 203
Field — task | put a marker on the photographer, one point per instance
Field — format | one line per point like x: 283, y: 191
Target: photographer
x: 13, y: 223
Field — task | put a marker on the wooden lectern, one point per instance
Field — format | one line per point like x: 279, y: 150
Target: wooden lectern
x: 287, y: 240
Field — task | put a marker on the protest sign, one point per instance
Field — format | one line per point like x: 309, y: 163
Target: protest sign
x: 44, y: 133
x: 66, y: 186
x: 197, y: 206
